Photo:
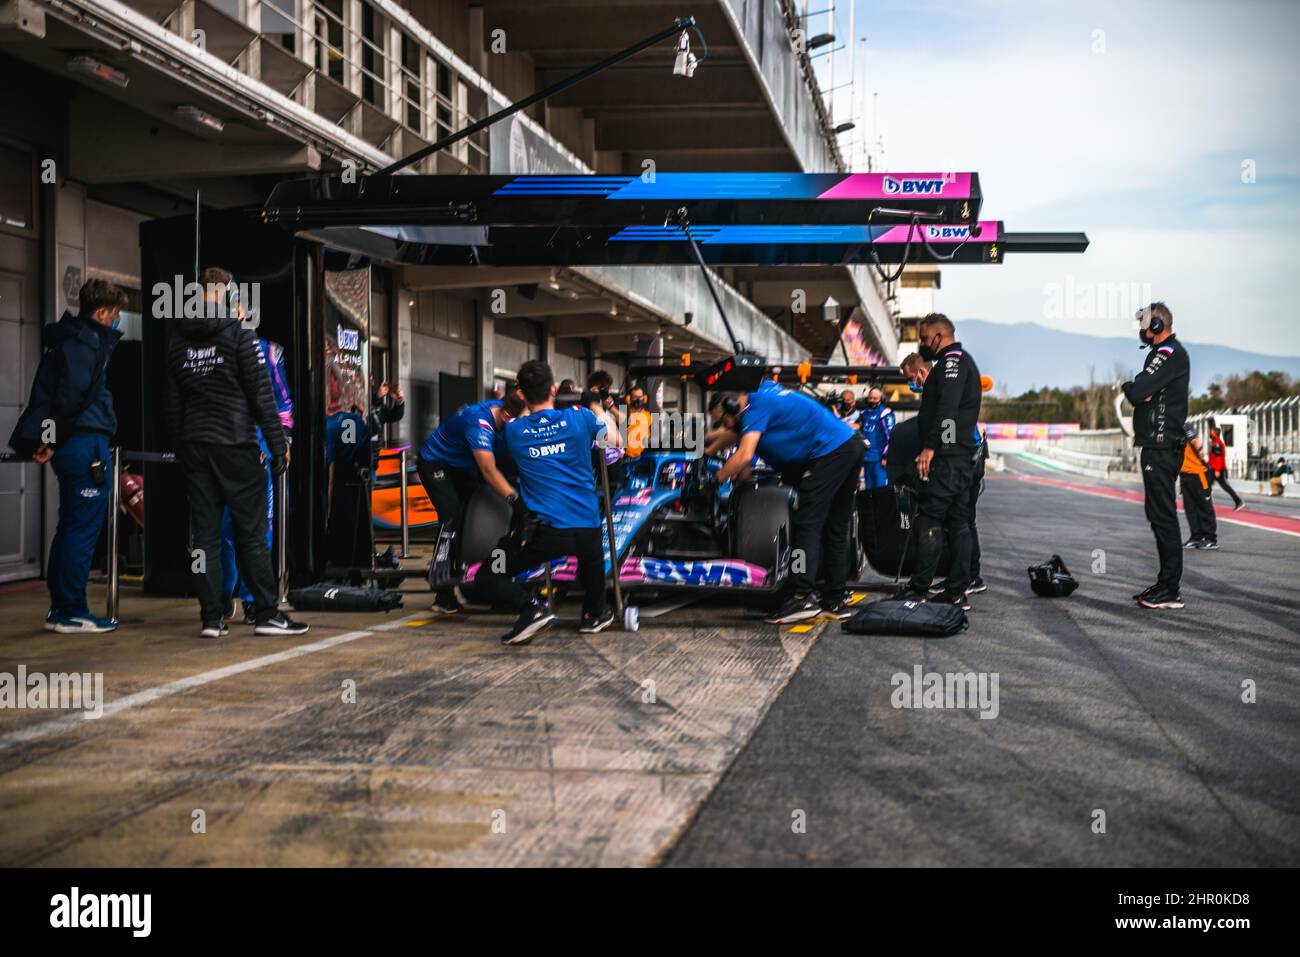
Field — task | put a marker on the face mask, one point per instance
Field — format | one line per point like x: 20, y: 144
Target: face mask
x: 872, y: 405
x: 117, y: 321
x: 914, y: 387
x: 927, y: 352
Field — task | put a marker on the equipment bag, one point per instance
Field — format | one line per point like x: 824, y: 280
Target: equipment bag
x: 909, y: 618
x: 1050, y: 579
x: 325, y: 597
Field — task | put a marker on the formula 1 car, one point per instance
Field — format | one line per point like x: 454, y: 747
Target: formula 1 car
x: 674, y: 527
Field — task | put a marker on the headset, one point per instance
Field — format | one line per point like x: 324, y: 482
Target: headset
x: 1150, y: 322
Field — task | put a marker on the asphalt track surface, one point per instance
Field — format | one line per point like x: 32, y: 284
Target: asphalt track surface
x: 704, y: 738
x: 1104, y: 707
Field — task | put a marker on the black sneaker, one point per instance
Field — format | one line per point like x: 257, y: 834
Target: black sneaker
x: 1239, y: 506
x: 214, y: 629
x: 937, y: 587
x: 591, y: 624
x: 250, y: 616
x: 280, y: 624
x: 1192, y: 543
x: 1144, y: 592
x: 905, y: 593
x: 532, y: 620
x: 946, y: 597
x: 1161, y: 597
x: 976, y: 586
x: 229, y: 614
x: 838, y: 610
x: 1209, y: 543
x: 795, y: 608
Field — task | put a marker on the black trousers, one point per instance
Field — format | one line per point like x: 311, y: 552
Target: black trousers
x: 540, y: 543
x: 221, y: 477
x: 449, y: 490
x: 976, y: 489
x: 1159, y: 475
x: 1198, y: 505
x: 1222, y: 478
x: 826, y: 488
x: 944, y: 507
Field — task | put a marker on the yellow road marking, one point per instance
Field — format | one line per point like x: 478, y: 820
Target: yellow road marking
x: 417, y: 623
x: 800, y: 629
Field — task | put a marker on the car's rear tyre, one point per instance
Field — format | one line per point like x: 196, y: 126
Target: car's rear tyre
x: 487, y: 521
x: 760, y: 516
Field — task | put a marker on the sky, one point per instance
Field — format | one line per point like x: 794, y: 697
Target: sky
x: 1135, y: 122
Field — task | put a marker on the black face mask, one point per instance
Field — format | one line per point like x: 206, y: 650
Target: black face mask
x: 927, y: 352
x: 636, y: 403
x: 872, y: 405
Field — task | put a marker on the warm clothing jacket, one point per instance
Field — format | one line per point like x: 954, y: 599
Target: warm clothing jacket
x: 951, y: 395
x: 1159, y: 397
x: 71, y: 384
x: 1218, y: 453
x: 218, y: 387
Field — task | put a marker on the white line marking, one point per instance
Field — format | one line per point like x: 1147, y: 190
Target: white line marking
x: 47, y: 728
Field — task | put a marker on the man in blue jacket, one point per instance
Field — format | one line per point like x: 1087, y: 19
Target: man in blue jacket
x: 70, y: 422
x: 876, y: 423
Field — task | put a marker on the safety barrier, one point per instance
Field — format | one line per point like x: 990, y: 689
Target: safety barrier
x: 113, y: 520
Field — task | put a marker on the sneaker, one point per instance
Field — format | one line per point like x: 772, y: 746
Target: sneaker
x: 905, y: 593
x: 1239, y: 506
x: 214, y: 629
x: 250, y: 616
x: 837, y: 610
x: 79, y: 624
x: 976, y: 586
x: 1161, y: 597
x: 1192, y: 543
x: 465, y: 604
x: 795, y: 608
x: 280, y: 624
x: 591, y: 624
x: 951, y: 598
x: 229, y: 613
x: 533, y: 619
x: 1144, y: 592
x: 1209, y: 543
x: 937, y: 587
x: 453, y: 608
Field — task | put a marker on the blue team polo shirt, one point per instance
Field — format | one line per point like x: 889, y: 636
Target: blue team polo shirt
x: 456, y: 439
x: 795, y: 429
x: 552, y: 451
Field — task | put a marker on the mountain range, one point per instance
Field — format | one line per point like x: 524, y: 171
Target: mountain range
x: 1024, y: 355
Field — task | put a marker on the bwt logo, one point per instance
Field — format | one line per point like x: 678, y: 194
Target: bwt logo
x: 948, y: 232
x: 912, y: 186
x: 348, y: 338
x: 541, y: 451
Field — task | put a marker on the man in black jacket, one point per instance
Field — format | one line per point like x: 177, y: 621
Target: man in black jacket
x: 69, y: 419
x: 219, y: 393
x: 1159, y: 396
x: 946, y: 465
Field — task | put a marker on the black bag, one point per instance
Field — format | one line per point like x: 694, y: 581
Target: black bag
x: 1050, y: 579
x: 325, y: 597
x: 907, y: 617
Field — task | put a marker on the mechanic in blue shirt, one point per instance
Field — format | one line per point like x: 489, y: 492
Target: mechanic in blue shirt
x: 552, y: 450
x: 876, y: 422
x: 819, y: 456
x: 457, y: 458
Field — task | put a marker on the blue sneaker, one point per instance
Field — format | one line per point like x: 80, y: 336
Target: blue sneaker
x: 86, y: 624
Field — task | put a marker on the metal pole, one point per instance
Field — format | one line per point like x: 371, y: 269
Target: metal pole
x: 678, y: 26
x: 406, y: 525
x: 282, y: 535
x: 609, y: 528
x: 114, y: 510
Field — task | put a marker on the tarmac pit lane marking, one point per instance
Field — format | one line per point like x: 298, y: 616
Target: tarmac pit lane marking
x: 149, y: 695
x: 1267, y: 523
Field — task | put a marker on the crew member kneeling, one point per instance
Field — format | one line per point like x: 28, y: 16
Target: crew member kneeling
x: 552, y: 450
x: 946, y: 465
x: 819, y: 455
x: 458, y: 457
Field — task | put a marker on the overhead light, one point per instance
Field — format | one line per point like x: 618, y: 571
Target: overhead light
x: 844, y: 128
x: 194, y: 117
x: 821, y: 40
x: 89, y: 66
x: 685, y: 62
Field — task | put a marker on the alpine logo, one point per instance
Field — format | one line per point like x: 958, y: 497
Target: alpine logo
x: 912, y: 186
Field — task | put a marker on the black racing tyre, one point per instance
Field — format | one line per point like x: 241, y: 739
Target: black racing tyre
x: 760, y: 515
x: 487, y: 521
